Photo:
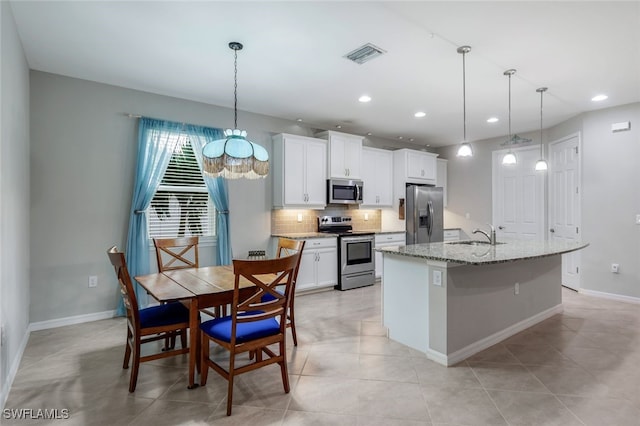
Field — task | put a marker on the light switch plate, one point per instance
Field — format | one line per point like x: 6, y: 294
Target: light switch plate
x: 638, y: 219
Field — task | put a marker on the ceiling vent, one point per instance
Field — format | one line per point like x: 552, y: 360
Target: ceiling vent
x: 364, y: 53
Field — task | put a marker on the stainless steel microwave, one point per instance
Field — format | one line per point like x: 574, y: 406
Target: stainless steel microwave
x: 344, y: 191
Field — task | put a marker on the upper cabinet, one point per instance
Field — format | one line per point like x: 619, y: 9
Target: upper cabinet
x: 299, y: 167
x: 412, y: 166
x: 345, y: 154
x: 377, y: 175
x: 441, y: 179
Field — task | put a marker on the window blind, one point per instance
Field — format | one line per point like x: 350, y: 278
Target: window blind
x: 181, y: 206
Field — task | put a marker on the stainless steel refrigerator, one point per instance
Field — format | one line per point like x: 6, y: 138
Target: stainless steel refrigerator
x: 423, y: 215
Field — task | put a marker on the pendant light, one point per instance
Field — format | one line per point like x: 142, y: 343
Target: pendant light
x: 234, y: 156
x: 510, y: 157
x: 541, y: 164
x: 464, y: 150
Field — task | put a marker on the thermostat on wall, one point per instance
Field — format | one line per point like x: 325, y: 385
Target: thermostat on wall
x: 621, y: 127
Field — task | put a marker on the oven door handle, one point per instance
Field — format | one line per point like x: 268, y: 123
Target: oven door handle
x: 357, y: 239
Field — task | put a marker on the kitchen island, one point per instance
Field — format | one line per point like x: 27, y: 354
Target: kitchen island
x: 452, y: 300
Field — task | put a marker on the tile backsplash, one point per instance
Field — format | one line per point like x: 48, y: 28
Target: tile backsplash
x: 286, y: 220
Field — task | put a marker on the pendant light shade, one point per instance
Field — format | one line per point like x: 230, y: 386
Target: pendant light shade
x: 464, y: 150
x: 234, y: 156
x: 541, y: 164
x: 509, y: 158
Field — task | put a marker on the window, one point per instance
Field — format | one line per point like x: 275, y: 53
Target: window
x: 181, y: 206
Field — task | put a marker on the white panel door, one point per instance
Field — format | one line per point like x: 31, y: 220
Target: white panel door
x: 564, y: 203
x: 518, y: 196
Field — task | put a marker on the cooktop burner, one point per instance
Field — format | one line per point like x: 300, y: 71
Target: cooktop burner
x: 340, y: 225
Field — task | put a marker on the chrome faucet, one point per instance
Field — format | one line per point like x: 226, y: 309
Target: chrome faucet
x: 491, y: 238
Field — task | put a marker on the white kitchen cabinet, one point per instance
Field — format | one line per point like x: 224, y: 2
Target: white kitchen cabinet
x: 319, y: 264
x: 299, y: 172
x: 441, y: 178
x: 410, y: 166
x: 377, y: 175
x: 345, y: 155
x: 384, y: 240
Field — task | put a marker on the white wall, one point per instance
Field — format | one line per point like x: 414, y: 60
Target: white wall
x: 610, y: 195
x: 14, y: 199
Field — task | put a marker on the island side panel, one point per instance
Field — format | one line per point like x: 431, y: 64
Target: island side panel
x: 405, y: 300
x: 484, y: 309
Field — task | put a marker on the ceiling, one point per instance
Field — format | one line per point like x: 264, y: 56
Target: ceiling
x: 293, y: 66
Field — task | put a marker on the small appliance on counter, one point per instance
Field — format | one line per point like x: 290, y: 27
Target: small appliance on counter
x: 424, y: 214
x: 356, y: 259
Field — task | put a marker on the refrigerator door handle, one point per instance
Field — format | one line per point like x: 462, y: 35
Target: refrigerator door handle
x: 430, y: 226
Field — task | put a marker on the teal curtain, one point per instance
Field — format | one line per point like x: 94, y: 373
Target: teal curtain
x: 218, y: 190
x: 156, y: 142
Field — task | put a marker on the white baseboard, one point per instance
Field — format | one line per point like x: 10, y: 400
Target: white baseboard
x: 491, y: 340
x: 13, y: 370
x: 612, y: 296
x: 77, y: 319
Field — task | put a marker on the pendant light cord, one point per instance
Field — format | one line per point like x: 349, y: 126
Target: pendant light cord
x: 464, y: 99
x: 541, y: 94
x: 235, y: 89
x: 510, y: 110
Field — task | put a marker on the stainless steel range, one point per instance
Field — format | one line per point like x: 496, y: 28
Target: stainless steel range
x: 356, y: 259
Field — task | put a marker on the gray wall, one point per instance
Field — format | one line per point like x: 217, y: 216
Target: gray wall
x: 14, y: 198
x: 83, y: 158
x: 610, y: 195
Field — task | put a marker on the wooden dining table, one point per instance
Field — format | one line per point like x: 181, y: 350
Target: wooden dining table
x: 199, y: 288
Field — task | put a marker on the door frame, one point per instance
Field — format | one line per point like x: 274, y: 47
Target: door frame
x: 577, y: 135
x: 496, y: 161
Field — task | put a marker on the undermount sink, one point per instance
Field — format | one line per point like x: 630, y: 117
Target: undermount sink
x: 473, y: 243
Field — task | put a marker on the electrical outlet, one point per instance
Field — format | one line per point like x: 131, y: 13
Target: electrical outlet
x: 614, y: 268
x: 366, y: 216
x: 516, y: 288
x: 93, y: 281
x: 299, y: 217
x: 638, y: 219
x: 437, y: 278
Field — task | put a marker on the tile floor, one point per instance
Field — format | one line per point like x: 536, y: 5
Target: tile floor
x: 578, y: 368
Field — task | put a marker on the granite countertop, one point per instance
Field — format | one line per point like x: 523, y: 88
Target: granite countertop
x: 305, y: 235
x: 508, y: 251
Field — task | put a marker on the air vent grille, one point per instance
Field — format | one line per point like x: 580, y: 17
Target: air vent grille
x: 364, y: 53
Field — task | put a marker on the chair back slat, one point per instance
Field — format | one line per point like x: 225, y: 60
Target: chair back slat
x: 126, y: 286
x: 176, y: 253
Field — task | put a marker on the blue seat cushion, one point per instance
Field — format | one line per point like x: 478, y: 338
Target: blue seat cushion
x: 220, y: 328
x: 167, y: 314
x: 268, y: 297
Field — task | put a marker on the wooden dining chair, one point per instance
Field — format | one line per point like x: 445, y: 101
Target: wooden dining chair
x: 176, y: 253
x: 147, y: 325
x: 254, y: 324
x: 287, y: 247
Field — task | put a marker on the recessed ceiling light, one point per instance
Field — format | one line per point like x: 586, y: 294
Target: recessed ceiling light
x: 428, y: 146
x: 411, y: 140
x: 493, y: 120
x: 299, y: 119
x: 400, y: 137
x: 599, y: 98
x: 369, y: 134
x: 364, y: 98
x: 338, y: 126
x: 419, y: 114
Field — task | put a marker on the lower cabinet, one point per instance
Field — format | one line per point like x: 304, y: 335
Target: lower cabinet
x: 319, y: 264
x: 383, y: 240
